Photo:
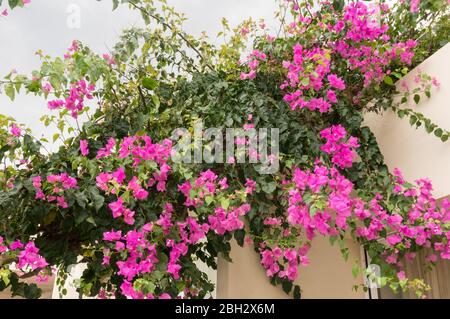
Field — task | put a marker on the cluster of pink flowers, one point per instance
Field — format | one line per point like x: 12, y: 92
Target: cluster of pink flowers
x: 253, y: 60
x: 283, y: 263
x: 308, y: 72
x: 179, y: 233
x: 107, y: 150
x: 15, y: 130
x: 227, y: 221
x: 139, y: 256
x: 321, y: 201
x: 118, y: 209
x: 205, y: 184
x: 191, y: 232
x: 177, y: 250
x: 114, y: 183
x: 360, y: 26
x: 74, y: 102
x: 313, y: 184
x: 47, y: 88
x: 54, y: 186
x: 342, y: 151
x: 28, y: 257
x: 359, y: 39
x: 73, y: 48
x: 141, y: 150
x: 423, y: 225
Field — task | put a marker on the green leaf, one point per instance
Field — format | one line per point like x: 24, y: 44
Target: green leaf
x: 305, y: 81
x: 13, y: 3
x: 225, y: 203
x: 355, y: 271
x: 438, y: 132
x: 239, y: 235
x: 338, y: 5
x: 269, y: 188
x: 10, y: 92
x: 156, y: 101
x: 115, y: 4
x: 297, y: 292
x: 149, y: 83
x: 4, y: 274
x: 55, y: 137
x: 91, y: 220
x: 417, y: 98
x: 345, y: 253
x: 287, y: 286
x: 208, y: 200
x: 99, y: 200
x: 397, y: 75
x: 388, y: 80
x: 81, y: 199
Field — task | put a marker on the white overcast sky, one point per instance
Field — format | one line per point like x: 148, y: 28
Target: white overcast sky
x: 43, y: 25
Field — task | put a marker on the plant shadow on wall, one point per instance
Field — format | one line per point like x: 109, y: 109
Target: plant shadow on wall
x: 113, y: 195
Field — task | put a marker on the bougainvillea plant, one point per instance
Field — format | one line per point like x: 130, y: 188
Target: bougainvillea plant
x: 113, y: 198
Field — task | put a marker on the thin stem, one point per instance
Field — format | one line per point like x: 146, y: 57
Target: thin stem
x: 181, y: 35
x: 141, y: 94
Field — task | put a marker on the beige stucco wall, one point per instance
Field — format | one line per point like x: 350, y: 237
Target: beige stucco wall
x: 416, y: 153
x: 327, y: 276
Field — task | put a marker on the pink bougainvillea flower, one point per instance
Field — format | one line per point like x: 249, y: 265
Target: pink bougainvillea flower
x: 84, y: 147
x: 336, y: 82
x: 112, y: 235
x: 107, y: 150
x: 119, y: 175
x: 244, y: 31
x: 393, y: 239
x: 30, y: 257
x: 74, y: 102
x: 16, y: 245
x: 117, y: 207
x: 331, y: 96
x: 250, y: 186
x: 414, y: 6
x: 15, y: 130
x: 109, y: 59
